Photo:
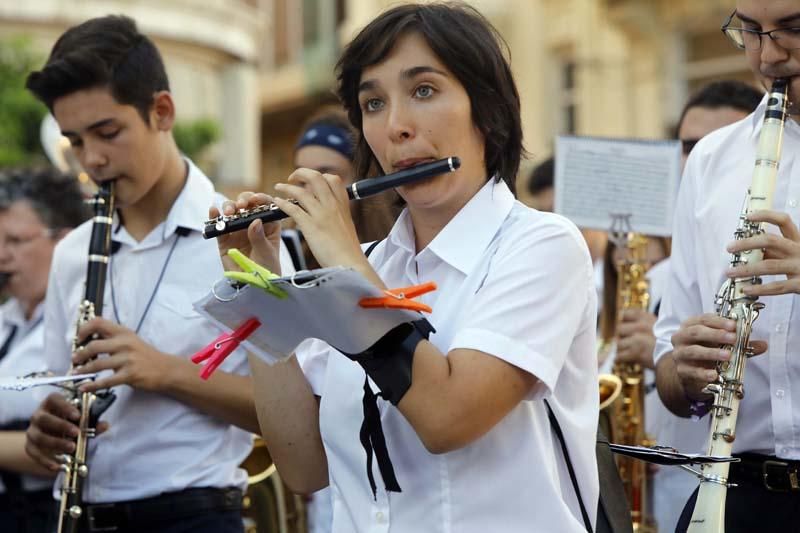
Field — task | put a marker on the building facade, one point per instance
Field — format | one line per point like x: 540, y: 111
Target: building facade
x: 259, y: 68
x: 621, y: 68
x: 211, y: 48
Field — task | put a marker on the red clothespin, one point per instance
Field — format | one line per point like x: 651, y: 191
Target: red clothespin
x: 401, y: 298
x: 217, y: 351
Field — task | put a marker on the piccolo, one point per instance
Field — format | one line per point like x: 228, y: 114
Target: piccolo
x: 360, y: 189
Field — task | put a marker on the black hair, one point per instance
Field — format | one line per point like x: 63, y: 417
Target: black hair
x: 472, y: 50
x: 56, y: 198
x: 728, y: 93
x: 542, y: 176
x: 103, y: 52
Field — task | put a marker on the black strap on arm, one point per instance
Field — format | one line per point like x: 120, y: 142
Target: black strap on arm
x: 557, y: 429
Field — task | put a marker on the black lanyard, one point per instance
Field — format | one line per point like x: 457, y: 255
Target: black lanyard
x: 179, y: 232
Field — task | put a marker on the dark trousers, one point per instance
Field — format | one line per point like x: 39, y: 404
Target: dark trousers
x: 751, y: 509
x: 28, y: 512
x: 209, y: 522
x: 195, y: 510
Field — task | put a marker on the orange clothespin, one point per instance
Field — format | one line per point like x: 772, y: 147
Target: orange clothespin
x: 401, y: 298
x: 217, y: 351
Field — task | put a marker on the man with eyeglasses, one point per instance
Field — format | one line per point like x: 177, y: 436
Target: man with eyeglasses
x: 37, y: 208
x: 689, y: 334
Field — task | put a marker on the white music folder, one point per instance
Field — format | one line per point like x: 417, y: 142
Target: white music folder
x: 320, y: 304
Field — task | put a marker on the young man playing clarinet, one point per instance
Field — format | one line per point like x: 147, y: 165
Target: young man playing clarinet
x: 167, y: 460
x: 690, y: 335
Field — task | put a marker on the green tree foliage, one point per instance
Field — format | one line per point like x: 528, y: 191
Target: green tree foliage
x: 193, y: 137
x: 20, y: 113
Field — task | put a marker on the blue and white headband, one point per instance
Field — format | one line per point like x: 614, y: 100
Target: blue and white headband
x: 332, y: 137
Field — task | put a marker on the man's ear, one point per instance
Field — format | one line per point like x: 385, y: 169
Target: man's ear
x: 162, y: 112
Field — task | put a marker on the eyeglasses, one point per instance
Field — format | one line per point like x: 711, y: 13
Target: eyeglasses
x: 746, y: 39
x: 17, y: 241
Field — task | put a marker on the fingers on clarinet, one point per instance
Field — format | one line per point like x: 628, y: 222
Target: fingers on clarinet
x: 698, y: 377
x: 56, y: 404
x: 714, y: 321
x: 703, y: 335
x: 44, y: 459
x: 700, y: 355
x: 102, y: 427
x: 46, y: 441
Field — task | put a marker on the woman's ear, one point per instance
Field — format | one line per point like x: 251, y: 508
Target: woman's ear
x: 162, y: 113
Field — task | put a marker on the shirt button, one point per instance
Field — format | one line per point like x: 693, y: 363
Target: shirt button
x: 380, y: 517
x: 792, y: 203
x: 779, y: 328
x: 779, y: 393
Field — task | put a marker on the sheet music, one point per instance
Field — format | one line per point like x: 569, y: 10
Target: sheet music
x: 320, y: 304
x: 597, y: 177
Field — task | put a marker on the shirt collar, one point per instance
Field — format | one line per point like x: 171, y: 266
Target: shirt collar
x: 462, y: 241
x: 14, y: 315
x: 757, y: 117
x: 189, y: 210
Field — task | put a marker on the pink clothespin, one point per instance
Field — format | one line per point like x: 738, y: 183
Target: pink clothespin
x: 217, y: 351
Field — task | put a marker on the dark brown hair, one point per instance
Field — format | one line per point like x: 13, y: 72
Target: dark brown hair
x: 472, y: 50
x: 103, y: 52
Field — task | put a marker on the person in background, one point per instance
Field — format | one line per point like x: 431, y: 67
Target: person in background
x: 714, y: 106
x: 38, y: 207
x: 327, y: 145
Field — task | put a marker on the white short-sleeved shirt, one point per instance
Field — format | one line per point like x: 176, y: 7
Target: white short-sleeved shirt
x: 155, y: 443
x: 514, y: 283
x: 25, y: 355
x: 712, y: 192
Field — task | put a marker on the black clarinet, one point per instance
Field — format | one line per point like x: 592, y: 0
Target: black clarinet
x: 91, y: 405
x: 360, y: 189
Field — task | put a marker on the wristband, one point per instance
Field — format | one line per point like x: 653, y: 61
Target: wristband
x: 389, y: 361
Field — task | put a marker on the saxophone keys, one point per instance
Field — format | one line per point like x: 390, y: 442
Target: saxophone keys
x: 75, y: 512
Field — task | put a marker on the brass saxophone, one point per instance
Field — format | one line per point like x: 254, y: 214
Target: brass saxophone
x: 622, y: 408
x: 732, y: 303
x: 90, y: 405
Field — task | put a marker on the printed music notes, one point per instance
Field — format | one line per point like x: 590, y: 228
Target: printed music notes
x: 595, y: 178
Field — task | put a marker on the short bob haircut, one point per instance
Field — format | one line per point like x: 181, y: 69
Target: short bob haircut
x: 103, y: 52
x: 472, y: 49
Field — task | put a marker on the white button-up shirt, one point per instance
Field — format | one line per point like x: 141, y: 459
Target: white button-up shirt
x: 155, y: 443
x: 23, y: 357
x: 514, y: 283
x: 711, y: 196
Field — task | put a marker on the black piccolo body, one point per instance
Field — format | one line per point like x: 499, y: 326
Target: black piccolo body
x: 360, y: 189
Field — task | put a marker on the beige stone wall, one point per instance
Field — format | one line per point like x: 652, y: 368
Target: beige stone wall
x: 210, y: 47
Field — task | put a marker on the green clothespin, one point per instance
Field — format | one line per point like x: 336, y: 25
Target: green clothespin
x: 254, y: 274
